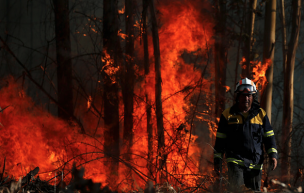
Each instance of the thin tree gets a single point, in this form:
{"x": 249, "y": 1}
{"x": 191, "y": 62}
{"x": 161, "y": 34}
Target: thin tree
{"x": 242, "y": 26}
{"x": 128, "y": 83}
{"x": 220, "y": 59}
{"x": 111, "y": 46}
{"x": 64, "y": 62}
{"x": 246, "y": 72}
{"x": 288, "y": 87}
{"x": 158, "y": 90}
{"x": 268, "y": 53}
{"x": 147, "y": 93}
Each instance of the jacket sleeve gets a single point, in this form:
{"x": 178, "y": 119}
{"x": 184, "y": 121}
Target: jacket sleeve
{"x": 220, "y": 141}
{"x": 269, "y": 139}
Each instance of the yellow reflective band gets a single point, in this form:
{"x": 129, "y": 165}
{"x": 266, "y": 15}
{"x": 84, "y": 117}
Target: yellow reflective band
{"x": 272, "y": 150}
{"x": 256, "y": 167}
{"x": 219, "y": 155}
{"x": 269, "y": 133}
{"x": 241, "y": 163}
{"x": 221, "y": 135}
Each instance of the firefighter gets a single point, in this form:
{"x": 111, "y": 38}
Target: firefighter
{"x": 242, "y": 131}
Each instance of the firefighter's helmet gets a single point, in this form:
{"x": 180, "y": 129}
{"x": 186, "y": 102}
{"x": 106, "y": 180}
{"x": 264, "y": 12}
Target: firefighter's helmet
{"x": 245, "y": 86}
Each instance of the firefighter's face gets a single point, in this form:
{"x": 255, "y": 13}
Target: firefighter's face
{"x": 245, "y": 101}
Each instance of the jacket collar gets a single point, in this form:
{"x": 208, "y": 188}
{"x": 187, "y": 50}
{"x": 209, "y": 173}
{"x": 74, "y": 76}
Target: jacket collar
{"x": 254, "y": 110}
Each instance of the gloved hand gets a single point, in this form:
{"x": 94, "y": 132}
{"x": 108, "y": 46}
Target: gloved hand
{"x": 273, "y": 163}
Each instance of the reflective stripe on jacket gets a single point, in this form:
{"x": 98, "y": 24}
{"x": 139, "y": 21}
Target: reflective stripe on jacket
{"x": 242, "y": 139}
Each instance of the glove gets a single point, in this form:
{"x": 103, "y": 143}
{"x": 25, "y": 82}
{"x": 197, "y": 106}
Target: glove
{"x": 273, "y": 163}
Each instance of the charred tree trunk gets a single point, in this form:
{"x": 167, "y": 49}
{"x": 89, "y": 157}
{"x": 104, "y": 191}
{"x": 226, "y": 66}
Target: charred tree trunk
{"x": 246, "y": 72}
{"x": 111, "y": 46}
{"x": 64, "y": 62}
{"x": 128, "y": 85}
{"x": 147, "y": 93}
{"x": 268, "y": 54}
{"x": 220, "y": 59}
{"x": 158, "y": 90}
{"x": 288, "y": 88}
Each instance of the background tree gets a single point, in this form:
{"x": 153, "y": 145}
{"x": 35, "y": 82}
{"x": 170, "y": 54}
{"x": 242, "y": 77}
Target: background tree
{"x": 220, "y": 58}
{"x": 128, "y": 74}
{"x": 288, "y": 105}
{"x": 249, "y": 41}
{"x": 64, "y": 62}
{"x": 158, "y": 91}
{"x": 111, "y": 46}
{"x": 268, "y": 54}
{"x": 147, "y": 93}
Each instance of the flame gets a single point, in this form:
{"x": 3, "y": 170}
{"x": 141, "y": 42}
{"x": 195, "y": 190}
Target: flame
{"x": 259, "y": 73}
{"x": 227, "y": 88}
{"x": 122, "y": 11}
{"x": 33, "y": 137}
{"x": 89, "y": 102}
{"x": 122, "y": 35}
{"x": 109, "y": 67}
{"x": 242, "y": 63}
{"x": 190, "y": 35}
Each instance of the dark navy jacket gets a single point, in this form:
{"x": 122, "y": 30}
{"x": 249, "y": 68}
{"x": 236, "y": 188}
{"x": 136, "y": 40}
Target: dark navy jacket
{"x": 242, "y": 140}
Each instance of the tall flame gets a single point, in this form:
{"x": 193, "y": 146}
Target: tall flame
{"x": 187, "y": 32}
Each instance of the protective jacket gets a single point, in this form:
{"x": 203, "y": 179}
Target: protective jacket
{"x": 242, "y": 139}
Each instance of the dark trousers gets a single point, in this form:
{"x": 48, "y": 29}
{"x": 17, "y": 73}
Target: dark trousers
{"x": 239, "y": 175}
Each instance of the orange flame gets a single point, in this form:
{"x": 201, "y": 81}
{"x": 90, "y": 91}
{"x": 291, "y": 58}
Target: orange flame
{"x": 89, "y": 102}
{"x": 33, "y": 137}
{"x": 190, "y": 34}
{"x": 227, "y": 88}
{"x": 259, "y": 72}
{"x": 109, "y": 67}
{"x": 122, "y": 35}
{"x": 122, "y": 11}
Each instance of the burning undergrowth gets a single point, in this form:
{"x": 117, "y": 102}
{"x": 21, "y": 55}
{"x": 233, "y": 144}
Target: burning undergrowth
{"x": 32, "y": 137}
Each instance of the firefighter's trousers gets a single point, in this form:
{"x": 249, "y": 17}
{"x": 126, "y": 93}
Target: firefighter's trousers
{"x": 239, "y": 175}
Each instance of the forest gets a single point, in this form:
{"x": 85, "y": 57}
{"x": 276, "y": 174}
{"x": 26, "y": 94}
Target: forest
{"x": 129, "y": 93}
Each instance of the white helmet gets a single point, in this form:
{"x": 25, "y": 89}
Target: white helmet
{"x": 245, "y": 86}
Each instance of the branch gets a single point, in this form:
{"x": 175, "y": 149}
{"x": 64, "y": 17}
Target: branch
{"x": 28, "y": 74}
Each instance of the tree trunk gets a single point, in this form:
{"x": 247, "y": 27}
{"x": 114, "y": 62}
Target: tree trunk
{"x": 147, "y": 94}
{"x": 64, "y": 62}
{"x": 128, "y": 85}
{"x": 268, "y": 54}
{"x": 284, "y": 39}
{"x": 111, "y": 46}
{"x": 246, "y": 72}
{"x": 158, "y": 89}
{"x": 220, "y": 59}
{"x": 288, "y": 88}
{"x": 237, "y": 61}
